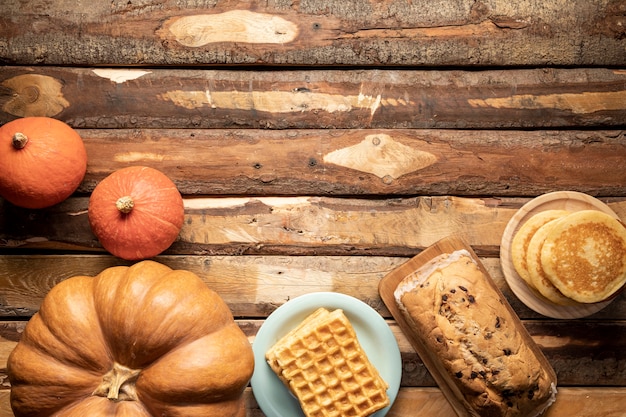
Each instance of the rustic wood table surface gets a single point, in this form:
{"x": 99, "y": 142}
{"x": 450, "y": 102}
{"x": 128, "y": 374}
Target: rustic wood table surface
{"x": 320, "y": 144}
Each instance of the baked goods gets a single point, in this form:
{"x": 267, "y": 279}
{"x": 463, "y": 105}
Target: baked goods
{"x": 537, "y": 278}
{"x": 571, "y": 258}
{"x": 472, "y": 336}
{"x": 521, "y": 240}
{"x": 584, "y": 256}
{"x": 322, "y": 363}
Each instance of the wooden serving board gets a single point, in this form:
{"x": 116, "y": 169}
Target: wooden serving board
{"x": 445, "y": 381}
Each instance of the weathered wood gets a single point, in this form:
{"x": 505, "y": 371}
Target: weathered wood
{"x": 162, "y": 98}
{"x": 366, "y": 162}
{"x": 327, "y": 141}
{"x": 318, "y": 32}
{"x": 289, "y": 225}
{"x": 252, "y": 286}
{"x": 430, "y": 402}
{"x": 587, "y": 402}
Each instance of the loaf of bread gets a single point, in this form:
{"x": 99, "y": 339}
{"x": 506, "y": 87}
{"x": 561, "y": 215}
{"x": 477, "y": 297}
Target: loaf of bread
{"x": 475, "y": 339}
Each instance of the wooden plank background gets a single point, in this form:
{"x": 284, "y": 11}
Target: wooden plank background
{"x": 320, "y": 144}
{"x": 315, "y": 32}
{"x": 313, "y": 98}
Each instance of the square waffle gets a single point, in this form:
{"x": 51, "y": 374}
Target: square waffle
{"x": 325, "y": 367}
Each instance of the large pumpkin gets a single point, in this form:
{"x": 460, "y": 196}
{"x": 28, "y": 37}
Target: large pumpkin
{"x": 135, "y": 341}
{"x": 42, "y": 161}
{"x": 136, "y": 212}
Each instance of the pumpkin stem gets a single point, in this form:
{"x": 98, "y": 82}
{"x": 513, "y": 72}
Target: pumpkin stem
{"x": 118, "y": 384}
{"x": 125, "y": 204}
{"x": 19, "y": 140}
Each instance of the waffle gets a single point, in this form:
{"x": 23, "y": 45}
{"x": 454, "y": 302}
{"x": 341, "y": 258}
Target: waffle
{"x": 324, "y": 366}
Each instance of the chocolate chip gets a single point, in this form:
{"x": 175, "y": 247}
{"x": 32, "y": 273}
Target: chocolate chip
{"x": 507, "y": 352}
{"x": 471, "y": 299}
{"x": 463, "y": 288}
{"x": 453, "y": 291}
{"x": 473, "y": 375}
{"x": 444, "y": 297}
{"x": 459, "y": 374}
{"x": 497, "y": 322}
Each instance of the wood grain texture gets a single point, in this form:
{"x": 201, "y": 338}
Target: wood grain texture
{"x": 588, "y": 402}
{"x": 320, "y": 144}
{"x": 318, "y": 32}
{"x": 370, "y": 162}
{"x": 332, "y": 98}
{"x": 253, "y": 286}
{"x": 288, "y": 225}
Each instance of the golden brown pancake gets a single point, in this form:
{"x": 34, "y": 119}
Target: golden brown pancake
{"x": 584, "y": 255}
{"x": 537, "y": 275}
{"x": 519, "y": 244}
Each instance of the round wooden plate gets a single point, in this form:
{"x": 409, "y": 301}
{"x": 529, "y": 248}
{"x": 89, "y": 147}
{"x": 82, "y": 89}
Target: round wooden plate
{"x": 559, "y": 200}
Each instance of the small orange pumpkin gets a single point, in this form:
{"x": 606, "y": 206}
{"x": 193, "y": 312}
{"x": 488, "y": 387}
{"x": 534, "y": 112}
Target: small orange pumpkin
{"x": 136, "y": 212}
{"x": 42, "y": 161}
{"x": 138, "y": 341}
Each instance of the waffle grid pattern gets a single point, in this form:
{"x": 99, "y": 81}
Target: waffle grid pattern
{"x": 329, "y": 373}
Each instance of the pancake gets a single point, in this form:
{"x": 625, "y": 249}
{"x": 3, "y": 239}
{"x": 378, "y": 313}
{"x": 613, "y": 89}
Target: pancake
{"x": 519, "y": 244}
{"x": 539, "y": 280}
{"x": 584, "y": 255}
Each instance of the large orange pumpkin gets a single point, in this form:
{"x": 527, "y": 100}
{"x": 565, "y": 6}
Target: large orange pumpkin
{"x": 135, "y": 341}
{"x": 136, "y": 212}
{"x": 42, "y": 161}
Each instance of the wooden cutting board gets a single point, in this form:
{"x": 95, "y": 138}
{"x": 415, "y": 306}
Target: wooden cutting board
{"x": 445, "y": 381}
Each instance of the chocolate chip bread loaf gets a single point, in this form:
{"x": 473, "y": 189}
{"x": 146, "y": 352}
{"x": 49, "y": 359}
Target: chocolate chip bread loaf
{"x": 475, "y": 339}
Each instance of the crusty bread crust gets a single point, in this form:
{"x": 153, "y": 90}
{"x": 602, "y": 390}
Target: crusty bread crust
{"x": 462, "y": 320}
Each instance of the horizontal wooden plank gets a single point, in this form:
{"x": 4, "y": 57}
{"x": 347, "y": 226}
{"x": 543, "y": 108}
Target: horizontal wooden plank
{"x": 195, "y": 98}
{"x": 430, "y": 402}
{"x": 571, "y": 347}
{"x": 253, "y": 286}
{"x": 366, "y": 161}
{"x": 317, "y": 32}
{"x": 289, "y": 225}
{"x": 587, "y": 402}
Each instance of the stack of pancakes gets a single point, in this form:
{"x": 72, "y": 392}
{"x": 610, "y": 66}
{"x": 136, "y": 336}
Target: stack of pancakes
{"x": 324, "y": 366}
{"x": 571, "y": 257}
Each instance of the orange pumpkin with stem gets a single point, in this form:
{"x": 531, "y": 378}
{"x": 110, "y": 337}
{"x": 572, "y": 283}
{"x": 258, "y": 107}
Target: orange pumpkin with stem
{"x": 136, "y": 212}
{"x": 138, "y": 341}
{"x": 42, "y": 161}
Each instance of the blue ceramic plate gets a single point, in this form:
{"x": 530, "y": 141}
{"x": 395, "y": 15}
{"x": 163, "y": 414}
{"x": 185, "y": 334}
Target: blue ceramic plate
{"x": 373, "y": 333}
